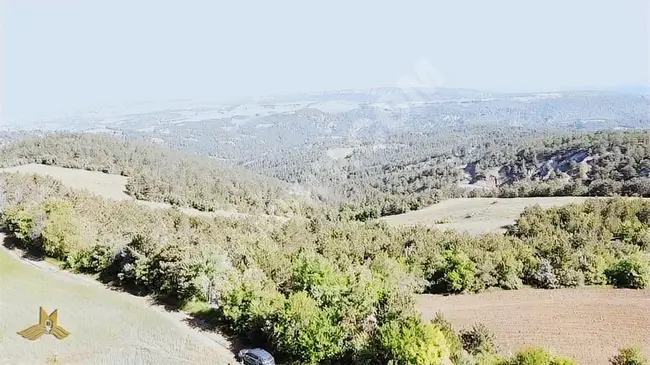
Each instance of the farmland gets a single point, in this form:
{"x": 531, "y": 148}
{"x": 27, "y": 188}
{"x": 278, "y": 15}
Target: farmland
{"x": 588, "y": 324}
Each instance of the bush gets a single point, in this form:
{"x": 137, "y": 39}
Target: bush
{"x": 478, "y": 340}
{"x": 629, "y": 356}
{"x": 536, "y": 356}
{"x": 93, "y": 260}
{"x": 305, "y": 331}
{"x": 631, "y": 272}
{"x": 412, "y": 342}
{"x": 453, "y": 341}
{"x": 455, "y": 274}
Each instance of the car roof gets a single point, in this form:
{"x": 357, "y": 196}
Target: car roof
{"x": 260, "y": 353}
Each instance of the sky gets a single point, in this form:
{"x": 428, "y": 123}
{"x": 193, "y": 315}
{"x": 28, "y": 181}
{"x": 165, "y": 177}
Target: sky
{"x": 65, "y": 55}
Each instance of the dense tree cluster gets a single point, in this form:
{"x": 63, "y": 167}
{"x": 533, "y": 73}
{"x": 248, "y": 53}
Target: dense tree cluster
{"x": 598, "y": 164}
{"x": 325, "y": 289}
{"x": 159, "y": 174}
{"x": 406, "y": 171}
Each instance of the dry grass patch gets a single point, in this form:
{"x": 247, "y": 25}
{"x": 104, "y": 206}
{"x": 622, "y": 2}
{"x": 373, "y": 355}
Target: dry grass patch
{"x": 476, "y": 215}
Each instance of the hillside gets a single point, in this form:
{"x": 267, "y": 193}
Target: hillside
{"x": 504, "y": 164}
{"x": 113, "y": 187}
{"x": 107, "y": 327}
{"x": 475, "y": 215}
{"x": 245, "y": 130}
{"x": 327, "y": 290}
{"x": 382, "y": 151}
{"x": 158, "y": 174}
{"x": 599, "y": 164}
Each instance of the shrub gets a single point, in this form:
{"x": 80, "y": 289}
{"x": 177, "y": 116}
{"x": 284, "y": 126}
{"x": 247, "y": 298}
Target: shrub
{"x": 536, "y": 356}
{"x": 455, "y": 274}
{"x": 629, "y": 356}
{"x": 453, "y": 341}
{"x": 412, "y": 342}
{"x": 478, "y": 340}
{"x": 305, "y": 331}
{"x": 93, "y": 260}
{"x": 631, "y": 272}
{"x": 61, "y": 233}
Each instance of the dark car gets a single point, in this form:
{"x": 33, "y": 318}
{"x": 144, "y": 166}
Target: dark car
{"x": 255, "y": 357}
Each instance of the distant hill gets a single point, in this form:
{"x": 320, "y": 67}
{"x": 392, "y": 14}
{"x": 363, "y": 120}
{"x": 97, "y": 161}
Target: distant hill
{"x": 243, "y": 131}
{"x": 159, "y": 174}
{"x": 391, "y": 148}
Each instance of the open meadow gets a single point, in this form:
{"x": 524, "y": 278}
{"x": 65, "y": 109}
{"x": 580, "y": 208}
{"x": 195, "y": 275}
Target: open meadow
{"x": 476, "y": 215}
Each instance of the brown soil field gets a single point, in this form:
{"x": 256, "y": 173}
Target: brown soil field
{"x": 587, "y": 324}
{"x": 475, "y": 215}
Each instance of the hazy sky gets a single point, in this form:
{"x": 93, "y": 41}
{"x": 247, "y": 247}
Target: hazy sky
{"x": 64, "y": 55}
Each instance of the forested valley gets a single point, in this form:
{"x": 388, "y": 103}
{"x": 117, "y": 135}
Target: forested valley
{"x": 331, "y": 284}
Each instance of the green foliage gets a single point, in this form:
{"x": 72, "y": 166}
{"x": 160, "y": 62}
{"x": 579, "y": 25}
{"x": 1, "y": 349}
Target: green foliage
{"x": 451, "y": 338}
{"x": 19, "y": 222}
{"x": 629, "y": 356}
{"x": 304, "y": 330}
{"x": 158, "y": 174}
{"x": 324, "y": 290}
{"x": 536, "y": 356}
{"x": 60, "y": 235}
{"x": 630, "y": 272}
{"x": 455, "y": 273}
{"x": 412, "y": 342}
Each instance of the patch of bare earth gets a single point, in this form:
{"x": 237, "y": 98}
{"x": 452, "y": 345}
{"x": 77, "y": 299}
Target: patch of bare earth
{"x": 475, "y": 215}
{"x": 588, "y": 324}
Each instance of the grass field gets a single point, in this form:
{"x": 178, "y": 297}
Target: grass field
{"x": 588, "y": 324}
{"x": 475, "y": 215}
{"x": 107, "y": 327}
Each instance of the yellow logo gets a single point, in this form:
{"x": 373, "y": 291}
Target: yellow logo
{"x": 46, "y": 325}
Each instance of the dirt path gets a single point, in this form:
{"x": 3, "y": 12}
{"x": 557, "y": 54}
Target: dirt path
{"x": 107, "y": 327}
{"x": 589, "y": 324}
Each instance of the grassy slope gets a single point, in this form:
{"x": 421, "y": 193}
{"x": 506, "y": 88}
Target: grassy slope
{"x": 475, "y": 215}
{"x": 107, "y": 327}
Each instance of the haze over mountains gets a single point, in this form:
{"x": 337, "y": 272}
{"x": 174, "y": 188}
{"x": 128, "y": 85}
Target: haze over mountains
{"x": 242, "y": 131}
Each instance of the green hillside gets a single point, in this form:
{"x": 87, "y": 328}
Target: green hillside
{"x": 159, "y": 174}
